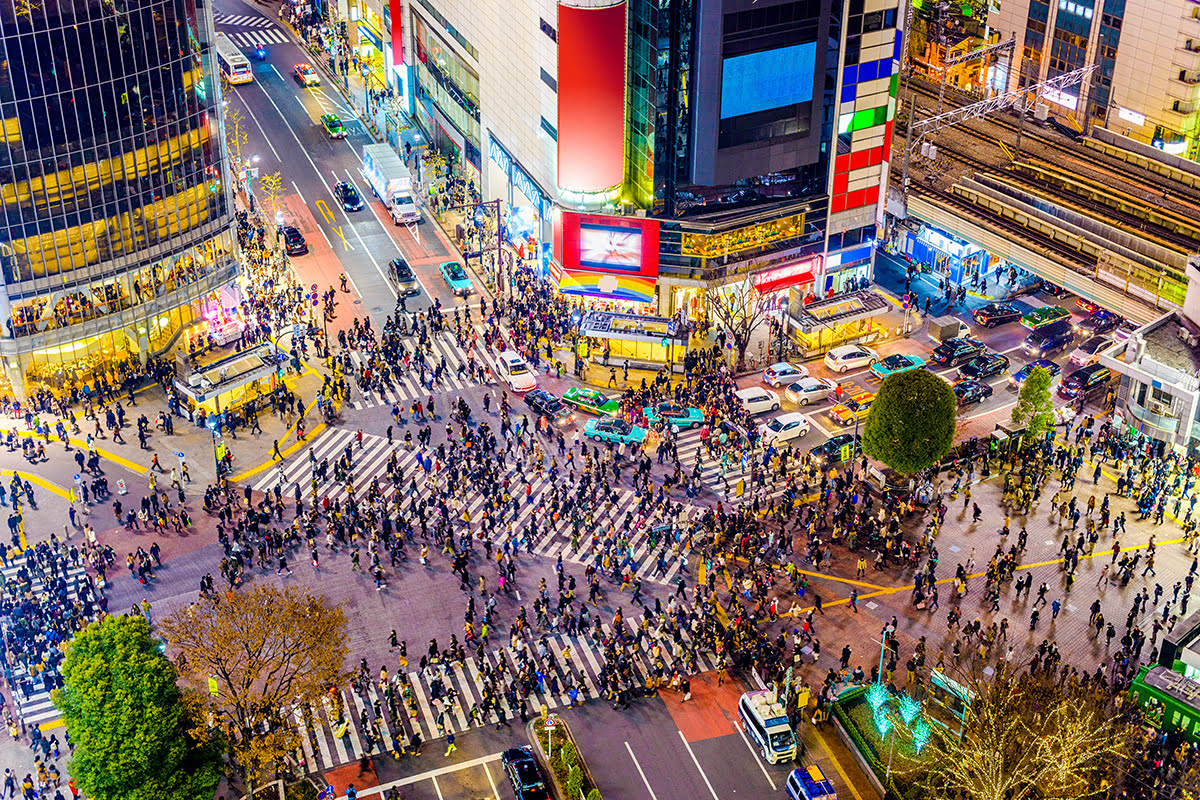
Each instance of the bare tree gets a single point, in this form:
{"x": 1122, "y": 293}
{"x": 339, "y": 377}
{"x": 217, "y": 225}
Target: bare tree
{"x": 739, "y": 310}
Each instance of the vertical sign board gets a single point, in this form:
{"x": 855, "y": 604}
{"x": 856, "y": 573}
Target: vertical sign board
{"x": 591, "y": 97}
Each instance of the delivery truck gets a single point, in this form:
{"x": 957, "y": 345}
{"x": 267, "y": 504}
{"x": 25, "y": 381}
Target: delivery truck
{"x": 387, "y": 176}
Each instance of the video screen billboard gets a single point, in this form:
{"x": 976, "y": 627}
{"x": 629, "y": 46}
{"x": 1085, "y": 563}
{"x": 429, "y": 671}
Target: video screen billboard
{"x": 606, "y": 245}
{"x": 767, "y": 79}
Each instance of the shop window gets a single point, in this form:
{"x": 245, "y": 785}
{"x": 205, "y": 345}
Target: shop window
{"x": 549, "y": 129}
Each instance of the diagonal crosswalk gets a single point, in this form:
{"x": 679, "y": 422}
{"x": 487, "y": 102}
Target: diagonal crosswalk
{"x": 406, "y": 386}
{"x": 242, "y": 21}
{"x": 653, "y": 550}
{"x": 449, "y": 697}
{"x": 30, "y": 691}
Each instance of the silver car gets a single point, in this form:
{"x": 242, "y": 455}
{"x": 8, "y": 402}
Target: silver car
{"x": 810, "y": 390}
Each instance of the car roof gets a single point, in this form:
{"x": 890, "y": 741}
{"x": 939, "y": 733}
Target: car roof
{"x": 782, "y": 365}
{"x": 791, "y": 416}
{"x": 750, "y": 391}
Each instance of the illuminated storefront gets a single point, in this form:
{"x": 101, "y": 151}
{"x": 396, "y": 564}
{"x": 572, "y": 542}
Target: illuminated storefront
{"x": 817, "y": 326}
{"x": 640, "y": 338}
{"x": 447, "y": 99}
{"x": 954, "y": 259}
{"x": 106, "y": 254}
{"x": 611, "y": 262}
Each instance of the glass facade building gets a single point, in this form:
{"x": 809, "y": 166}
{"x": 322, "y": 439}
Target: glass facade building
{"x": 116, "y": 223}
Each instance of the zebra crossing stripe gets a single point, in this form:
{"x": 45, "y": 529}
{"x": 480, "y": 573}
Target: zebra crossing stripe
{"x": 241, "y": 20}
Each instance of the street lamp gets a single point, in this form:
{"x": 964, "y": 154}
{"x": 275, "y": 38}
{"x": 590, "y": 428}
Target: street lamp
{"x": 213, "y": 423}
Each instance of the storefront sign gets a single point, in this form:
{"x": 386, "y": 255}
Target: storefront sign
{"x": 517, "y": 176}
{"x": 773, "y": 280}
{"x": 396, "y": 13}
{"x": 365, "y": 32}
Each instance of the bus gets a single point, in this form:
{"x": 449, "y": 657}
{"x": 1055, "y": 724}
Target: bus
{"x": 1170, "y": 700}
{"x": 234, "y": 65}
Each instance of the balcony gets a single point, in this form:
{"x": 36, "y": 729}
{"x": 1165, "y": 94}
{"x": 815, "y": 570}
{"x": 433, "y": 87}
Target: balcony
{"x": 1158, "y": 421}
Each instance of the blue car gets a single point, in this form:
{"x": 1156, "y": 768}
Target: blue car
{"x": 1018, "y": 377}
{"x": 894, "y": 365}
{"x": 677, "y": 416}
{"x": 456, "y": 278}
{"x": 609, "y": 429}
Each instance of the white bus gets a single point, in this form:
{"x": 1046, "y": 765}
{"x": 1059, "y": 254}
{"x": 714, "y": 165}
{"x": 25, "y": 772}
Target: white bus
{"x": 234, "y": 65}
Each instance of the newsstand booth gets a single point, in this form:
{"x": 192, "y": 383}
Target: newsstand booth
{"x": 644, "y": 340}
{"x": 850, "y": 318}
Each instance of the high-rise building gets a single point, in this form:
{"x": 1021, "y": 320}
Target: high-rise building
{"x": 116, "y": 228}
{"x": 749, "y": 139}
{"x": 1147, "y": 85}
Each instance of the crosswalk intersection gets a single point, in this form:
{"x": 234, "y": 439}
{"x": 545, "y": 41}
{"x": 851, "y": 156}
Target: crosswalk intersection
{"x": 30, "y": 693}
{"x": 406, "y": 385}
{"x": 242, "y": 21}
{"x": 651, "y": 552}
{"x": 330, "y": 736}
{"x": 254, "y": 38}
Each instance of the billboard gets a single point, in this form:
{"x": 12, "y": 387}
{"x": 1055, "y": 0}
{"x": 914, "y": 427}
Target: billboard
{"x": 591, "y": 97}
{"x": 606, "y": 256}
{"x": 743, "y": 90}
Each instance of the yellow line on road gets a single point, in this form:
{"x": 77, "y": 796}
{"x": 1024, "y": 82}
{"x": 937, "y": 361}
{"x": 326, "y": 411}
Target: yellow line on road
{"x": 836, "y": 765}
{"x": 40, "y": 481}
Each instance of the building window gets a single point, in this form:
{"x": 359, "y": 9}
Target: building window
{"x": 548, "y": 29}
{"x": 549, "y": 81}
{"x": 549, "y": 129}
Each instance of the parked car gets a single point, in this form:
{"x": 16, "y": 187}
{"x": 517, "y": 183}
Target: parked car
{"x": 1053, "y": 289}
{"x": 895, "y": 364}
{"x": 785, "y": 427}
{"x": 1087, "y": 381}
{"x": 783, "y": 373}
{"x": 293, "y": 241}
{"x": 1089, "y": 351}
{"x": 984, "y": 366}
{"x": 549, "y": 406}
{"x": 994, "y": 314}
{"x": 971, "y": 391}
{"x": 852, "y": 409}
{"x": 810, "y": 390}
{"x": 1018, "y": 377}
{"x": 850, "y": 356}
{"x": 611, "y": 429}
{"x": 756, "y": 400}
{"x": 525, "y": 774}
{"x": 958, "y": 350}
{"x": 591, "y": 400}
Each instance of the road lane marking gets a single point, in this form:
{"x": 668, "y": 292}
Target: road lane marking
{"x": 750, "y": 747}
{"x": 653, "y": 796}
{"x": 325, "y": 212}
{"x": 437, "y": 789}
{"x": 696, "y": 761}
{"x": 345, "y": 244}
{"x": 836, "y": 765}
{"x": 432, "y": 774}
{"x": 487, "y": 771}
{"x": 298, "y": 193}
{"x": 261, "y": 129}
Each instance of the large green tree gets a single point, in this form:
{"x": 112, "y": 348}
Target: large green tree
{"x": 912, "y": 422}
{"x": 135, "y": 737}
{"x": 1034, "y": 409}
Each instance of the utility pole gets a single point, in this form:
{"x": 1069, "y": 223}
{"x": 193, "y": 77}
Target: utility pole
{"x": 1021, "y": 105}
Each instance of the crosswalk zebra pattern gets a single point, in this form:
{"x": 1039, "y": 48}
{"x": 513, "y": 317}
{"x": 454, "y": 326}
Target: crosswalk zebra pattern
{"x": 242, "y": 21}
{"x": 651, "y": 552}
{"x": 406, "y": 385}
{"x": 362, "y": 732}
{"x": 252, "y": 39}
{"x": 30, "y": 693}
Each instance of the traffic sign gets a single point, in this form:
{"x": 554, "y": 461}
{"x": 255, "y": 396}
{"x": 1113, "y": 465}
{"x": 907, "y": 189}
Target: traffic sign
{"x": 666, "y": 342}
{"x": 213, "y": 686}
{"x": 327, "y": 793}
{"x": 121, "y": 488}
{"x": 78, "y": 478}
{"x": 550, "y": 723}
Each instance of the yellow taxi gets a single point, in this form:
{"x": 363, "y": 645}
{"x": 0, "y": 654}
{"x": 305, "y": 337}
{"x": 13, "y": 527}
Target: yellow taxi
{"x": 853, "y": 409}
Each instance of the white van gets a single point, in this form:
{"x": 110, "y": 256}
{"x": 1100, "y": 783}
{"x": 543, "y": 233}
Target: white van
{"x": 765, "y": 721}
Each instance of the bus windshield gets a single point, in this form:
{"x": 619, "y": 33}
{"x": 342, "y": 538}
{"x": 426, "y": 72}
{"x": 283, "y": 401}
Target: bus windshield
{"x": 234, "y": 66}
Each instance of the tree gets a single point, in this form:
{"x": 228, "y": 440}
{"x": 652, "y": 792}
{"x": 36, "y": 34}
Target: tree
{"x": 271, "y": 186}
{"x": 1027, "y": 736}
{"x": 135, "y": 738}
{"x": 236, "y": 136}
{"x": 266, "y": 649}
{"x": 739, "y": 310}
{"x": 1034, "y": 409}
{"x": 912, "y": 422}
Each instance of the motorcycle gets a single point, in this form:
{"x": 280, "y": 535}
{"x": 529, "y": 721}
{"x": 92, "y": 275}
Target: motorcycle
{"x": 260, "y": 53}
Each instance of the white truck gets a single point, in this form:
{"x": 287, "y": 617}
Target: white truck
{"x": 389, "y": 178}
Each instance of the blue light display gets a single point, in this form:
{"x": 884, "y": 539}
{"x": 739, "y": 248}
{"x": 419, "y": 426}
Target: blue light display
{"x": 768, "y": 79}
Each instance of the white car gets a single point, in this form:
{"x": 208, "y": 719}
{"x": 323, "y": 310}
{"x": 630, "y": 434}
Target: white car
{"x": 783, "y": 373}
{"x": 786, "y": 427}
{"x": 850, "y": 356}
{"x": 756, "y": 400}
{"x": 1088, "y": 353}
{"x": 810, "y": 390}
{"x": 516, "y": 372}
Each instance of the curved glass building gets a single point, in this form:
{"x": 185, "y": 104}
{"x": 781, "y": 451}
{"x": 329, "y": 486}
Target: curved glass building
{"x": 116, "y": 221}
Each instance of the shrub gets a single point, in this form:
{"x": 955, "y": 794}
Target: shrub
{"x": 575, "y": 782}
{"x": 594, "y": 794}
{"x": 568, "y": 755}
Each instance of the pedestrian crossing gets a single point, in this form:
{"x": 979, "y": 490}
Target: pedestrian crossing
{"x": 723, "y": 475}
{"x": 448, "y": 697}
{"x": 242, "y": 21}
{"x": 406, "y": 386}
{"x": 251, "y": 40}
{"x": 654, "y": 551}
{"x": 30, "y": 693}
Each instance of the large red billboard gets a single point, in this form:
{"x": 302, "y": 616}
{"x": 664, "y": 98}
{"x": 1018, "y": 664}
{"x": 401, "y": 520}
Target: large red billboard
{"x": 396, "y": 14}
{"x": 591, "y": 97}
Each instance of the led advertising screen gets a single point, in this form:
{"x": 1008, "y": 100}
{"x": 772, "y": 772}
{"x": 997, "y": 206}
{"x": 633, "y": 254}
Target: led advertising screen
{"x": 605, "y": 255}
{"x": 591, "y": 97}
{"x": 767, "y": 79}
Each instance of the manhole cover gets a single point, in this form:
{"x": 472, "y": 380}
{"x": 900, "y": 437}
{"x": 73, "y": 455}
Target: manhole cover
{"x": 358, "y": 302}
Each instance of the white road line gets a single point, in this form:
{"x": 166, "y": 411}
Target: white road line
{"x": 261, "y": 130}
{"x": 753, "y": 753}
{"x": 438, "y": 789}
{"x": 708, "y": 783}
{"x": 431, "y": 775}
{"x": 487, "y": 771}
{"x": 653, "y": 796}
{"x": 302, "y": 200}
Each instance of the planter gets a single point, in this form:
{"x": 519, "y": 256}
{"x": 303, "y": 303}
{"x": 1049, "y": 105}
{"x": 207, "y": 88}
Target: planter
{"x": 554, "y": 770}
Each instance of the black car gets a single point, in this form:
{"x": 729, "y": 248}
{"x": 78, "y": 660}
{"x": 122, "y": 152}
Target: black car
{"x": 293, "y": 241}
{"x": 971, "y": 391}
{"x": 402, "y": 275}
{"x": 525, "y": 774}
{"x": 348, "y": 196}
{"x": 1053, "y": 289}
{"x": 1100, "y": 322}
{"x": 830, "y": 451}
{"x": 984, "y": 366}
{"x": 994, "y": 314}
{"x": 1087, "y": 381}
{"x": 958, "y": 350}
{"x": 549, "y": 407}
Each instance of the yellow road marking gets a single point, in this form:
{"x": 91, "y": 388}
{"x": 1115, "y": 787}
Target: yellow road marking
{"x": 325, "y": 212}
{"x": 338, "y": 229}
{"x": 40, "y": 481}
{"x": 836, "y": 765}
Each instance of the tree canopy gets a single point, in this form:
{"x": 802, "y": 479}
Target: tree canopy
{"x": 135, "y": 738}
{"x": 264, "y": 650}
{"x": 1034, "y": 409}
{"x": 912, "y": 421}
{"x": 739, "y": 310}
